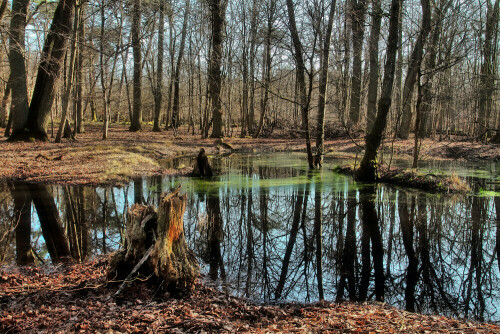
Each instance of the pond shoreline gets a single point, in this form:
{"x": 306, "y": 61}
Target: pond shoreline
{"x": 92, "y": 161}
{"x": 38, "y": 300}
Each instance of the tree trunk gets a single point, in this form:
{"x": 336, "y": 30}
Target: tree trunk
{"x": 50, "y": 222}
{"x": 158, "y": 94}
{"x": 358, "y": 11}
{"x": 413, "y": 69}
{"x": 323, "y": 88}
{"x": 218, "y": 17}
{"x": 136, "y": 123}
{"x": 172, "y": 264}
{"x": 3, "y": 7}
{"x": 368, "y": 167}
{"x": 53, "y": 52}
{"x": 374, "y": 66}
{"x": 176, "y": 108}
{"x": 487, "y": 77}
{"x": 79, "y": 127}
{"x": 252, "y": 54}
{"x": 69, "y": 81}
{"x": 267, "y": 71}
{"x": 4, "y": 114}
{"x": 17, "y": 80}
{"x": 22, "y": 221}
{"x": 301, "y": 79}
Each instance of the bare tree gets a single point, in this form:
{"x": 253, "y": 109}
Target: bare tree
{"x": 413, "y": 69}
{"x": 218, "y": 18}
{"x": 368, "y": 167}
{"x": 323, "y": 86}
{"x": 358, "y": 10}
{"x": 17, "y": 80}
{"x": 301, "y": 79}
{"x": 135, "y": 124}
{"x": 48, "y": 74}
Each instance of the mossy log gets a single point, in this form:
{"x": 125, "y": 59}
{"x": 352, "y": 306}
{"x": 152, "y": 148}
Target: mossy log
{"x": 157, "y": 239}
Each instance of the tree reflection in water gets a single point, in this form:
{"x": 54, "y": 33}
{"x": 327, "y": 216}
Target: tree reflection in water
{"x": 269, "y": 232}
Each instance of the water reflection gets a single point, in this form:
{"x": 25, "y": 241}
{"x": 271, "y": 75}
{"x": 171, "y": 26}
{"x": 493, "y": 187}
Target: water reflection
{"x": 268, "y": 229}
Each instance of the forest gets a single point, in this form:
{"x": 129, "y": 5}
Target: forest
{"x": 249, "y": 166}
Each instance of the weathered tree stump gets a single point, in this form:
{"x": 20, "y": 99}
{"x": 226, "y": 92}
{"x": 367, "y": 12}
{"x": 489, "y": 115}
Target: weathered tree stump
{"x": 155, "y": 247}
{"x": 202, "y": 167}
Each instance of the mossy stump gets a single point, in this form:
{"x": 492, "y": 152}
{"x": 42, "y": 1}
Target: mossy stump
{"x": 157, "y": 239}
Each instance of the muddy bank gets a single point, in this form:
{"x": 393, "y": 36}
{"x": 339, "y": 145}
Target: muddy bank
{"x": 90, "y": 160}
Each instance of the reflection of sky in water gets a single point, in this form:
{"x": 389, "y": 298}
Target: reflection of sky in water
{"x": 278, "y": 178}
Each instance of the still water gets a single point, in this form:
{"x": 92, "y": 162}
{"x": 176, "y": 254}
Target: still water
{"x": 268, "y": 229}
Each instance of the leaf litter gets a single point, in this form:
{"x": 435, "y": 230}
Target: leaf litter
{"x": 77, "y": 298}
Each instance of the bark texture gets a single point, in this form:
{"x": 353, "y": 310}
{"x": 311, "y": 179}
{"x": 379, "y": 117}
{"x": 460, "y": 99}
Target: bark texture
{"x": 161, "y": 234}
{"x": 49, "y": 70}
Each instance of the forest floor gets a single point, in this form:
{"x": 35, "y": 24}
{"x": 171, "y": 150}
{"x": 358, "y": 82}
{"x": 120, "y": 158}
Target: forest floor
{"x": 91, "y": 160}
{"x": 77, "y": 298}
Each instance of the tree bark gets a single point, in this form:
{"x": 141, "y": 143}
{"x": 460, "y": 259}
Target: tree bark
{"x": 17, "y": 80}
{"x": 368, "y": 167}
{"x": 358, "y": 10}
{"x": 267, "y": 70}
{"x": 323, "y": 87}
{"x": 53, "y": 52}
{"x": 69, "y": 81}
{"x": 371, "y": 110}
{"x": 158, "y": 94}
{"x": 413, "y": 69}
{"x": 50, "y": 221}
{"x": 172, "y": 264}
{"x": 487, "y": 77}
{"x": 218, "y": 18}
{"x": 22, "y": 221}
{"x": 301, "y": 80}
{"x": 176, "y": 107}
{"x": 136, "y": 123}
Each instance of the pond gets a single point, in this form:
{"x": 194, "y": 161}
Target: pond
{"x": 270, "y": 230}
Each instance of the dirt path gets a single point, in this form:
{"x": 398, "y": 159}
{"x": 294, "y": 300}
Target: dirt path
{"x": 90, "y": 160}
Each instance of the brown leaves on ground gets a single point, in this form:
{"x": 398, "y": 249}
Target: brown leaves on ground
{"x": 125, "y": 154}
{"x": 75, "y": 298}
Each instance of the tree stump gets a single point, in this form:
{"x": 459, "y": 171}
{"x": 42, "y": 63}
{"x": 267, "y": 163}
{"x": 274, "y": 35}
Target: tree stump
{"x": 202, "y": 167}
{"x": 155, "y": 247}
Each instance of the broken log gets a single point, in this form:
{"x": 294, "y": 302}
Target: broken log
{"x": 202, "y": 167}
{"x": 156, "y": 238}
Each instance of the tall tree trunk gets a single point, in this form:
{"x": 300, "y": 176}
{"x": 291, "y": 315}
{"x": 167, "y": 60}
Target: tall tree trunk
{"x": 158, "y": 94}
{"x": 267, "y": 70}
{"x": 413, "y": 69}
{"x": 371, "y": 110}
{"x": 136, "y": 123}
{"x": 50, "y": 221}
{"x": 4, "y": 113}
{"x": 252, "y": 54}
{"x": 79, "y": 127}
{"x": 22, "y": 221}
{"x": 17, "y": 81}
{"x": 487, "y": 77}
{"x": 301, "y": 79}
{"x": 102, "y": 66}
{"x": 358, "y": 10}
{"x": 176, "y": 107}
{"x": 424, "y": 128}
{"x": 49, "y": 69}
{"x": 323, "y": 87}
{"x": 218, "y": 18}
{"x": 368, "y": 167}
{"x": 69, "y": 81}
{"x": 3, "y": 7}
